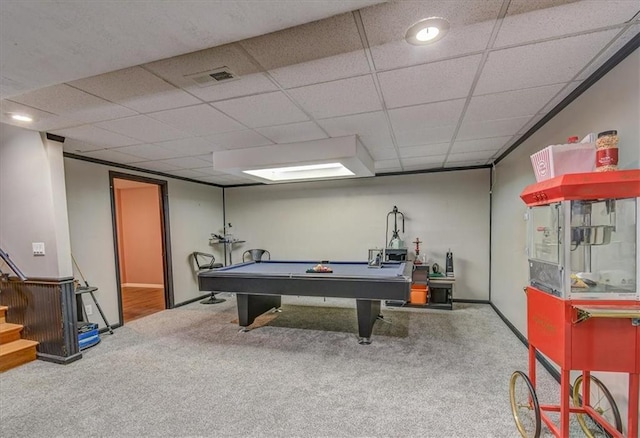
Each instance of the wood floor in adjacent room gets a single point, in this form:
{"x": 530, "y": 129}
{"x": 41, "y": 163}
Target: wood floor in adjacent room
{"x": 141, "y": 301}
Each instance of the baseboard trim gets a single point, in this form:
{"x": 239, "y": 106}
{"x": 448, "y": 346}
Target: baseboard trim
{"x": 543, "y": 361}
{"x": 465, "y": 300}
{"x": 58, "y": 359}
{"x": 192, "y": 300}
{"x": 149, "y": 285}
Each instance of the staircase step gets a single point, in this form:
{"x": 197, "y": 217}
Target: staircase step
{"x": 9, "y": 332}
{"x": 3, "y": 313}
{"x": 17, "y": 353}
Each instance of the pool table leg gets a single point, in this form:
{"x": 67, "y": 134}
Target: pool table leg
{"x": 368, "y": 312}
{"x": 251, "y": 306}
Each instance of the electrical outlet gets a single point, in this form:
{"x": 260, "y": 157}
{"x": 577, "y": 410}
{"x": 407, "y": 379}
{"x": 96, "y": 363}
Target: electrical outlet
{"x": 89, "y": 309}
{"x": 38, "y": 248}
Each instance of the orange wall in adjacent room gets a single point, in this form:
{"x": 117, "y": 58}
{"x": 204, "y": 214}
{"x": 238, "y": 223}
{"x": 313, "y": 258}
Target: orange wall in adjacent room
{"x": 140, "y": 235}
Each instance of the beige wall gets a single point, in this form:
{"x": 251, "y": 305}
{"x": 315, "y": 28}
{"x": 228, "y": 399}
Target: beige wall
{"x": 33, "y": 205}
{"x": 611, "y": 103}
{"x": 195, "y": 211}
{"x": 341, "y": 220}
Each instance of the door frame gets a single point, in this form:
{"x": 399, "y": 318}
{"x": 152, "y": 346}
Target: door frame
{"x": 167, "y": 269}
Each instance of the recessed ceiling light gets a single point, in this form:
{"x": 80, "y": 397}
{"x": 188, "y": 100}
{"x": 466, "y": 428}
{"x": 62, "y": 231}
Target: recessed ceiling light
{"x": 427, "y": 31}
{"x": 22, "y": 117}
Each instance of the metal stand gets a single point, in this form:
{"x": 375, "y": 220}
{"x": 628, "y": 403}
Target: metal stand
{"x": 90, "y": 290}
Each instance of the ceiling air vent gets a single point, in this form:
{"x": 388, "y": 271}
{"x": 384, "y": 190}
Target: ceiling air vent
{"x": 211, "y": 77}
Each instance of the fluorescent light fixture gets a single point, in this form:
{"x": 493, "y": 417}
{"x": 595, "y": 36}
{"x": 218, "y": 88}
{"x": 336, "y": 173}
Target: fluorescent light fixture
{"x": 311, "y": 171}
{"x": 427, "y": 31}
{"x": 330, "y": 158}
{"x": 22, "y": 117}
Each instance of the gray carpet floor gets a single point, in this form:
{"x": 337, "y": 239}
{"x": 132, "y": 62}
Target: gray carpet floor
{"x": 189, "y": 372}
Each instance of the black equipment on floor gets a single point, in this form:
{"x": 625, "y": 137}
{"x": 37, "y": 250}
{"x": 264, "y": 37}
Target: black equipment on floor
{"x": 86, "y": 289}
{"x": 205, "y": 262}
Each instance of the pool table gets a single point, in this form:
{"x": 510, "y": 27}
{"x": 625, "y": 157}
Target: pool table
{"x": 259, "y": 286}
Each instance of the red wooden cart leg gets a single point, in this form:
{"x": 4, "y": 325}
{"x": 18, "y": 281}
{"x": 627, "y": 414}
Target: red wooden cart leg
{"x": 632, "y": 424}
{"x": 586, "y": 388}
{"x": 532, "y": 365}
{"x": 565, "y": 375}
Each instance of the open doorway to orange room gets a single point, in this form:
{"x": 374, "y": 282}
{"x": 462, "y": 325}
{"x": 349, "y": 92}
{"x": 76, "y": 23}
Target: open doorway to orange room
{"x": 142, "y": 246}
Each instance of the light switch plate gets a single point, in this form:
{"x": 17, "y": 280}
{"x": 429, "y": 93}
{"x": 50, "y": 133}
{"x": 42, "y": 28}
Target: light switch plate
{"x": 38, "y": 248}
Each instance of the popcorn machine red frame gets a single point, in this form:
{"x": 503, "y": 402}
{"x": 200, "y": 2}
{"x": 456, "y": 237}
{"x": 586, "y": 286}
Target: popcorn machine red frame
{"x": 595, "y": 329}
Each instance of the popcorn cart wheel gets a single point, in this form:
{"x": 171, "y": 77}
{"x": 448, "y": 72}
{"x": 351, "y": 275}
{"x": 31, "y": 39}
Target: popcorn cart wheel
{"x": 601, "y": 401}
{"x": 526, "y": 410}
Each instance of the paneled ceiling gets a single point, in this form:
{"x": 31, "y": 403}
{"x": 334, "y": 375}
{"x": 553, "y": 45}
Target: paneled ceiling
{"x": 116, "y": 81}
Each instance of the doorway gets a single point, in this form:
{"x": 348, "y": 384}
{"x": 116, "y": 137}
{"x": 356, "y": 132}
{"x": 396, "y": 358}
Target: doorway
{"x": 141, "y": 237}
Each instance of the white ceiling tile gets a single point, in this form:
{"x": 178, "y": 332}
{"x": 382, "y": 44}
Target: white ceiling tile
{"x": 551, "y": 62}
{"x": 610, "y": 51}
{"x": 208, "y": 169}
{"x": 424, "y": 150}
{"x": 150, "y": 152}
{"x": 247, "y": 85}
{"x": 187, "y": 173}
{"x": 237, "y": 140}
{"x": 159, "y": 166}
{"x": 191, "y": 146}
{"x": 388, "y": 153}
{"x": 294, "y": 132}
{"x": 96, "y": 136}
{"x": 483, "y": 156}
{"x": 143, "y": 128}
{"x": 416, "y": 137}
{"x": 198, "y": 120}
{"x": 385, "y": 166}
{"x": 485, "y": 144}
{"x": 249, "y": 78}
{"x": 535, "y": 119}
{"x": 335, "y": 67}
{"x": 522, "y": 24}
{"x": 188, "y": 162}
{"x": 376, "y": 141}
{"x": 430, "y": 115}
{"x": 251, "y": 110}
{"x": 338, "y": 98}
{"x": 137, "y": 89}
{"x": 491, "y": 128}
{"x": 112, "y": 155}
{"x": 433, "y": 82}
{"x": 559, "y": 97}
{"x": 374, "y": 123}
{"x": 471, "y": 24}
{"x": 78, "y": 147}
{"x": 42, "y": 120}
{"x": 307, "y": 42}
{"x": 70, "y": 102}
{"x": 423, "y": 163}
{"x": 510, "y": 104}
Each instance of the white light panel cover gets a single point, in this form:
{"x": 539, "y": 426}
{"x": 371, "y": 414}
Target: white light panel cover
{"x": 263, "y": 162}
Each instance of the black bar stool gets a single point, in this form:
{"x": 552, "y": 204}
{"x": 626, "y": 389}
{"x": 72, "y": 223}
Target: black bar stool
{"x": 255, "y": 255}
{"x": 205, "y": 262}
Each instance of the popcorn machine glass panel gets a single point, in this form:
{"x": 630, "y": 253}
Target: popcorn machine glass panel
{"x": 585, "y": 249}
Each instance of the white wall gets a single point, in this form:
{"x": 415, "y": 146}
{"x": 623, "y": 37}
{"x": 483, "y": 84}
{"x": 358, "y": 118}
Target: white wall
{"x": 195, "y": 212}
{"x": 341, "y": 220}
{"x": 33, "y": 206}
{"x": 611, "y": 103}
